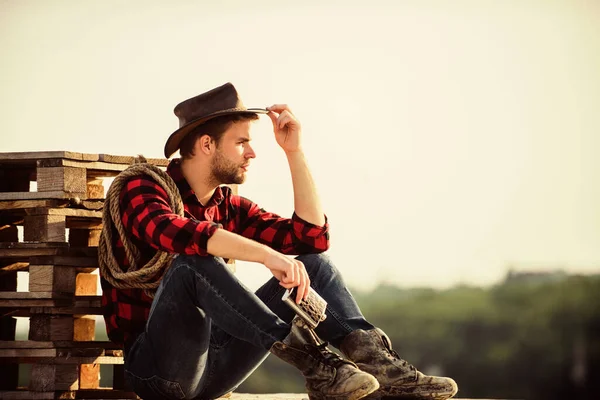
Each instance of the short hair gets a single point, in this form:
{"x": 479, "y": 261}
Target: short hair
{"x": 215, "y": 128}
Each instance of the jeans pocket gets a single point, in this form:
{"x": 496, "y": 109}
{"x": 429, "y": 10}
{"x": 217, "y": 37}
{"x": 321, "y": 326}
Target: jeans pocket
{"x": 155, "y": 387}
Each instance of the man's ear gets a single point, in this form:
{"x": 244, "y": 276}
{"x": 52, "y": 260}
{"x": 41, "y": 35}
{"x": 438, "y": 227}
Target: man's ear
{"x": 205, "y": 144}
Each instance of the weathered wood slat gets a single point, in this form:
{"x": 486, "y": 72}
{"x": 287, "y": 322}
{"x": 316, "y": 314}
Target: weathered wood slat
{"x": 40, "y": 155}
{"x": 66, "y": 179}
{"x": 22, "y": 196}
{"x": 46, "y": 377}
{"x": 32, "y": 246}
{"x": 95, "y": 394}
{"x": 52, "y": 278}
{"x": 22, "y": 204}
{"x": 61, "y": 361}
{"x": 59, "y": 352}
{"x": 63, "y": 344}
{"x": 67, "y": 212}
{"x": 90, "y": 204}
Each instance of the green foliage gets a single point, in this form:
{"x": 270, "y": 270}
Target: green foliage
{"x": 522, "y": 339}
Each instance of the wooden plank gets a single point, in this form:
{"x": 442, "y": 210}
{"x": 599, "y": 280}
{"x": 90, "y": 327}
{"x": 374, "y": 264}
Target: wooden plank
{"x": 22, "y": 204}
{"x": 66, "y": 179}
{"x": 40, "y": 155}
{"x": 52, "y": 278}
{"x": 44, "y": 228}
{"x": 89, "y": 376}
{"x": 86, "y": 284}
{"x": 110, "y": 360}
{"x": 67, "y": 212}
{"x": 22, "y": 196}
{"x": 45, "y": 305}
{"x": 95, "y": 188}
{"x": 32, "y": 246}
{"x": 95, "y": 169}
{"x": 89, "y": 262}
{"x": 26, "y": 395}
{"x": 93, "y": 352}
{"x": 35, "y": 344}
{"x": 29, "y": 295}
{"x": 50, "y": 327}
{"x": 84, "y": 328}
{"x": 46, "y": 378}
{"x": 99, "y": 394}
{"x": 17, "y": 266}
{"x": 163, "y": 162}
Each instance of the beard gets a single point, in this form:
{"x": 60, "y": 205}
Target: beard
{"x": 225, "y": 171}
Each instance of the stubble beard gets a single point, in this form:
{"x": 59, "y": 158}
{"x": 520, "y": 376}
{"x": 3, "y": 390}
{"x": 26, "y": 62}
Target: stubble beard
{"x": 225, "y": 171}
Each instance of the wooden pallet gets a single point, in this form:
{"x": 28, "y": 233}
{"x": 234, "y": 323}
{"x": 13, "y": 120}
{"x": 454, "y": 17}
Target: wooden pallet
{"x": 61, "y": 224}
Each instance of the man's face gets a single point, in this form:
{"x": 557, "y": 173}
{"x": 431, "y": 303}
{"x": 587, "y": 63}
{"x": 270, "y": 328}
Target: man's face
{"x": 232, "y": 158}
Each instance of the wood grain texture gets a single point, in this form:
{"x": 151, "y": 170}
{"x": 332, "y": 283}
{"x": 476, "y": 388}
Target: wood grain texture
{"x": 66, "y": 179}
{"x": 89, "y": 376}
{"x": 22, "y": 196}
{"x": 45, "y": 377}
{"x": 52, "y": 278}
{"x": 15, "y": 157}
{"x": 50, "y": 327}
{"x": 44, "y": 228}
{"x": 86, "y": 284}
{"x": 23, "y": 204}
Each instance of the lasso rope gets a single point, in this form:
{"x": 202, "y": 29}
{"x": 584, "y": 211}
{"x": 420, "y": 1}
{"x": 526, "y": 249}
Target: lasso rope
{"x": 148, "y": 276}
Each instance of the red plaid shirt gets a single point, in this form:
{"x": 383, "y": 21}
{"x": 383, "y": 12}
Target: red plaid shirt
{"x": 152, "y": 225}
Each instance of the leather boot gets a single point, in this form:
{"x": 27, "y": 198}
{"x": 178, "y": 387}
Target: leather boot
{"x": 328, "y": 376}
{"x": 372, "y": 351}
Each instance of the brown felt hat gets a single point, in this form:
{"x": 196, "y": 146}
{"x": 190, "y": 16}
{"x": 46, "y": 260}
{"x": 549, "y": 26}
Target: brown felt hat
{"x": 193, "y": 112}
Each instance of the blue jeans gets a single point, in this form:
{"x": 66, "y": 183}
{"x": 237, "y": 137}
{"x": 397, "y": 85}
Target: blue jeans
{"x": 207, "y": 332}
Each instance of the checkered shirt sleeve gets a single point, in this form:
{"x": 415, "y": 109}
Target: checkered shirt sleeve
{"x": 286, "y": 235}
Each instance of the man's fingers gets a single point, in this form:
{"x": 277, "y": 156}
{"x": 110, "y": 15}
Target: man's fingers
{"x": 279, "y": 108}
{"x": 307, "y": 286}
{"x": 291, "y": 274}
{"x": 273, "y": 117}
{"x": 302, "y": 287}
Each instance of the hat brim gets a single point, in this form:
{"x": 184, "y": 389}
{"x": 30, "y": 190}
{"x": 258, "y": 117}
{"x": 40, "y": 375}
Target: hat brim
{"x": 176, "y": 137}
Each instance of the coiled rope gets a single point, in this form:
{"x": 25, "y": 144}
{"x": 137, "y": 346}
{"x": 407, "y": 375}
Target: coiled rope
{"x": 148, "y": 276}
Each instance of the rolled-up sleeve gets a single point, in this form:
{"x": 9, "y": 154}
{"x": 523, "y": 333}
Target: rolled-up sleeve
{"x": 147, "y": 215}
{"x": 286, "y": 235}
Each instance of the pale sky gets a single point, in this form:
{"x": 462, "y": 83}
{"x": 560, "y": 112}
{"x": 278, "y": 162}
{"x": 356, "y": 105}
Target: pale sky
{"x": 449, "y": 140}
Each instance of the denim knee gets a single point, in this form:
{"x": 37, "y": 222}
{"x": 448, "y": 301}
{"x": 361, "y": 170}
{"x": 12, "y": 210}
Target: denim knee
{"x": 318, "y": 264}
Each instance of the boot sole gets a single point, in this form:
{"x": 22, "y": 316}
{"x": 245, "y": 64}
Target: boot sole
{"x": 359, "y": 393}
{"x": 395, "y": 393}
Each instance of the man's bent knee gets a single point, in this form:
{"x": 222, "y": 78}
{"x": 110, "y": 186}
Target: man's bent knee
{"x": 318, "y": 263}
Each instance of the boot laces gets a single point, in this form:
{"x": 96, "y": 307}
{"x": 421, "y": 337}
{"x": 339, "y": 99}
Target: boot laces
{"x": 392, "y": 353}
{"x": 328, "y": 357}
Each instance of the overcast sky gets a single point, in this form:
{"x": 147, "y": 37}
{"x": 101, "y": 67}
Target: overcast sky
{"x": 449, "y": 140}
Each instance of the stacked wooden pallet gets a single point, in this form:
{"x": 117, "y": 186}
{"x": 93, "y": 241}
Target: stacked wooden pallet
{"x": 61, "y": 224}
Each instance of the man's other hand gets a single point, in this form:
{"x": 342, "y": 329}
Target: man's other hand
{"x": 286, "y": 127}
{"x": 289, "y": 272}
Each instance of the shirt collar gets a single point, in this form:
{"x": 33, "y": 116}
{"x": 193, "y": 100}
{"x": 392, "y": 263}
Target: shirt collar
{"x": 174, "y": 171}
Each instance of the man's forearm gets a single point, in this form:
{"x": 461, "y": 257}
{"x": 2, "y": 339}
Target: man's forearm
{"x": 230, "y": 245}
{"x": 306, "y": 200}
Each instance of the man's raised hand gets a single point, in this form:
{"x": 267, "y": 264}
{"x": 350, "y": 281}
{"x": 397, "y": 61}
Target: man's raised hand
{"x": 289, "y": 272}
{"x": 286, "y": 127}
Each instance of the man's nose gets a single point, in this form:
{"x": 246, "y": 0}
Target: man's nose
{"x": 250, "y": 152}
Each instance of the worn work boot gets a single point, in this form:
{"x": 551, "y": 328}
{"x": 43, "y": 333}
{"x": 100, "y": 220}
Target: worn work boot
{"x": 328, "y": 376}
{"x": 372, "y": 352}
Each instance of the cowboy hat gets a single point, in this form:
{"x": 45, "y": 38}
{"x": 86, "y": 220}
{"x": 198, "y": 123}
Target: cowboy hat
{"x": 193, "y": 112}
